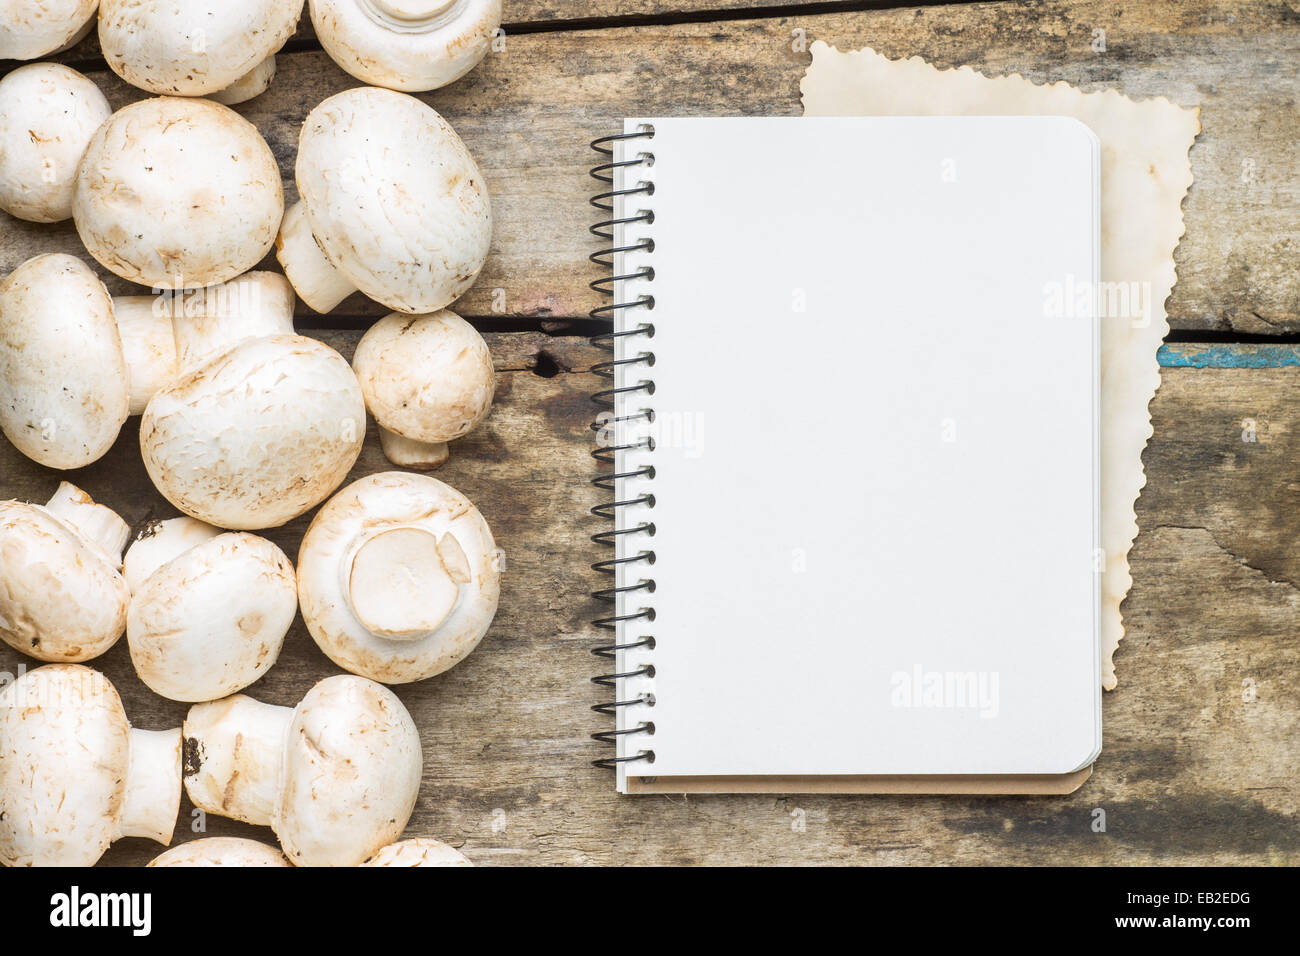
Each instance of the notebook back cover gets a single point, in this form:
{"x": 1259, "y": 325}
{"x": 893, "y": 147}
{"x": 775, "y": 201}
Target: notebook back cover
{"x": 875, "y": 448}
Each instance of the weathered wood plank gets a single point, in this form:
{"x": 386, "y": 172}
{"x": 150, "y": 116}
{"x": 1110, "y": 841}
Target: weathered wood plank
{"x": 528, "y": 114}
{"x": 532, "y": 16}
{"x": 1190, "y": 773}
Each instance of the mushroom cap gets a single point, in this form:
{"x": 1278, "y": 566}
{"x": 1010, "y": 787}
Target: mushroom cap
{"x": 61, "y": 596}
{"x": 351, "y": 773}
{"x": 212, "y": 620}
{"x": 398, "y": 577}
{"x": 192, "y": 47}
{"x": 48, "y": 113}
{"x": 418, "y": 851}
{"x": 425, "y": 377}
{"x": 64, "y": 390}
{"x": 178, "y": 193}
{"x": 395, "y": 200}
{"x": 64, "y": 751}
{"x": 159, "y": 542}
{"x": 411, "y": 45}
{"x": 256, "y": 434}
{"x": 29, "y": 30}
{"x": 221, "y": 851}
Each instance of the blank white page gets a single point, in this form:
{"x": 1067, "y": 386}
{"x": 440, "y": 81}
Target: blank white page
{"x": 875, "y": 487}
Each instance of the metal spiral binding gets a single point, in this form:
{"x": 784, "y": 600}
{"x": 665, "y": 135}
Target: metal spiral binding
{"x": 608, "y": 399}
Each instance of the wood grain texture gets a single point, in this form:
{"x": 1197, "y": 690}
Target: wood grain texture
{"x": 528, "y": 114}
{"x": 1190, "y": 772}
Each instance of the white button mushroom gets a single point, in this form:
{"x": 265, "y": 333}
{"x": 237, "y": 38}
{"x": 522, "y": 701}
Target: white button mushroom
{"x": 392, "y": 203}
{"x": 427, "y": 379}
{"x": 62, "y": 596}
{"x": 74, "y": 775}
{"x": 411, "y": 45}
{"x": 48, "y": 113}
{"x": 253, "y": 83}
{"x": 398, "y": 577}
{"x": 194, "y": 47}
{"x": 63, "y": 375}
{"x": 29, "y": 30}
{"x": 178, "y": 193}
{"x": 221, "y": 851}
{"x": 260, "y": 424}
{"x": 418, "y": 851}
{"x": 209, "y": 611}
{"x": 336, "y": 777}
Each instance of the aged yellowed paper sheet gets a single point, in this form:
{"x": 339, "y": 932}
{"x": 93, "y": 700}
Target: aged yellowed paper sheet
{"x": 1145, "y": 174}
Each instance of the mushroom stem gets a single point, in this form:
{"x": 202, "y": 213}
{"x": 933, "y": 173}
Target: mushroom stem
{"x": 251, "y": 84}
{"x": 206, "y": 321}
{"x": 148, "y": 344}
{"x": 414, "y": 12}
{"x": 94, "y": 522}
{"x": 160, "y": 543}
{"x": 317, "y": 282}
{"x": 404, "y": 582}
{"x": 153, "y": 786}
{"x": 234, "y": 757}
{"x": 409, "y": 453}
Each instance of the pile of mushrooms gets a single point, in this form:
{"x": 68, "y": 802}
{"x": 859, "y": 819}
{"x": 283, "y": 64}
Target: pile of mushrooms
{"x": 245, "y": 425}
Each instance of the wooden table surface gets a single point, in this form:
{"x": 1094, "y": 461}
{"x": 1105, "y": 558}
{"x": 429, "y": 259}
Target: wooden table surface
{"x": 1201, "y": 744}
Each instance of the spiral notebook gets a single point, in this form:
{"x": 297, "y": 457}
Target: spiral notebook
{"x": 852, "y": 424}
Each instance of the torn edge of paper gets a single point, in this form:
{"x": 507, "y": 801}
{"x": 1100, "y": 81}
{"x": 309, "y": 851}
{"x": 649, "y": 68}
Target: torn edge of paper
{"x": 1146, "y": 172}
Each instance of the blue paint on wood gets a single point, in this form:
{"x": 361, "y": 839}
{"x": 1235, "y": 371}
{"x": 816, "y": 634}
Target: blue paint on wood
{"x": 1191, "y": 355}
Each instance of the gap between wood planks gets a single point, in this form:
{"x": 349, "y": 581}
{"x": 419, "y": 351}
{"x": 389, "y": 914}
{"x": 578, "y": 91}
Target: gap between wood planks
{"x": 582, "y": 326}
{"x": 1208, "y": 337}
{"x": 1182, "y": 348}
{"x": 544, "y": 363}
{"x": 586, "y": 327}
